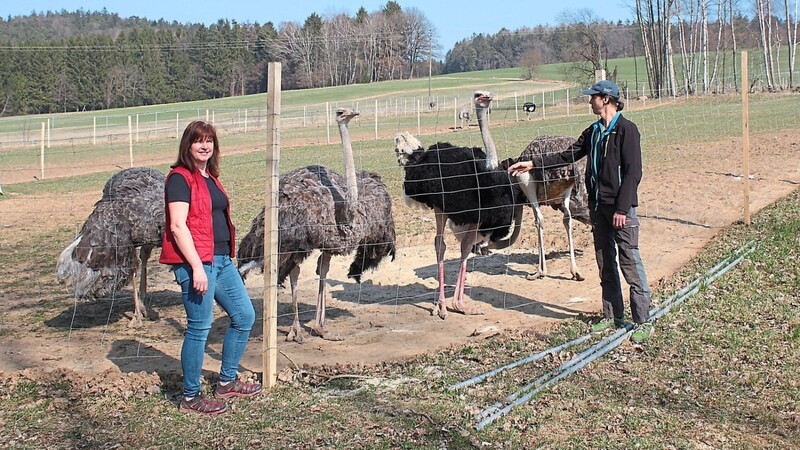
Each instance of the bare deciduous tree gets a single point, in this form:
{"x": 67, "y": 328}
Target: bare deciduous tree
{"x": 586, "y": 43}
{"x": 417, "y": 33}
{"x": 655, "y": 22}
{"x": 764, "y": 18}
{"x": 791, "y": 37}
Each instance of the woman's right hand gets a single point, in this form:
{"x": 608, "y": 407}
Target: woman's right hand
{"x": 200, "y": 280}
{"x": 521, "y": 167}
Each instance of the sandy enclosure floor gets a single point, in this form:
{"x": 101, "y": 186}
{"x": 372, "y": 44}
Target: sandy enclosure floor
{"x": 388, "y": 317}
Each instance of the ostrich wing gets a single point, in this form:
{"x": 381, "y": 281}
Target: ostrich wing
{"x": 311, "y": 213}
{"x": 129, "y": 215}
{"x": 455, "y": 180}
{"x": 376, "y": 225}
{"x": 543, "y": 145}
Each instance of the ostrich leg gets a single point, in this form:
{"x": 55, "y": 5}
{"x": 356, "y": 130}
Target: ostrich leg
{"x": 542, "y": 270}
{"x": 136, "y": 320}
{"x": 533, "y": 198}
{"x": 440, "y": 246}
{"x": 323, "y": 264}
{"x": 295, "y": 332}
{"x": 467, "y": 242}
{"x": 573, "y": 266}
{"x": 140, "y": 294}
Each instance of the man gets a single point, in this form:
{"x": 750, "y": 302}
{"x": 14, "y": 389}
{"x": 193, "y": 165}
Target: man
{"x": 613, "y": 172}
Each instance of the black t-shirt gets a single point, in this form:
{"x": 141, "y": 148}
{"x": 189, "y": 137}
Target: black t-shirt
{"x": 177, "y": 190}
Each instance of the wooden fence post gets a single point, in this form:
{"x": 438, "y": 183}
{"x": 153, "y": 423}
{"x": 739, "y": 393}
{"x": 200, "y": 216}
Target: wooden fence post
{"x": 41, "y": 154}
{"x": 328, "y": 121}
{"x": 130, "y": 139}
{"x": 270, "y": 303}
{"x": 745, "y": 139}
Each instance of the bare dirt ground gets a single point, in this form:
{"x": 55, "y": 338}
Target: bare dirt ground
{"x": 388, "y": 317}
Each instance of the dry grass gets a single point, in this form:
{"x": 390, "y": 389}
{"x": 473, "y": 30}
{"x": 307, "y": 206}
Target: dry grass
{"x": 721, "y": 372}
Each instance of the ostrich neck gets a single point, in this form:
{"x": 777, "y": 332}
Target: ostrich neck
{"x": 349, "y": 168}
{"x": 488, "y": 142}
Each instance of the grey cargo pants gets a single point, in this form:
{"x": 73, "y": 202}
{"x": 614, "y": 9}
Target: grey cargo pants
{"x": 607, "y": 241}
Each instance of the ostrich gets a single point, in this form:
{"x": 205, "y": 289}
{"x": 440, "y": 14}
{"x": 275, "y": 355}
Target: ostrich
{"x": 464, "y": 115}
{"x": 463, "y": 186}
{"x": 321, "y": 210}
{"x": 561, "y": 188}
{"x": 529, "y": 108}
{"x": 102, "y": 258}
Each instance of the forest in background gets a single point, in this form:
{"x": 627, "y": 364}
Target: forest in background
{"x": 91, "y": 60}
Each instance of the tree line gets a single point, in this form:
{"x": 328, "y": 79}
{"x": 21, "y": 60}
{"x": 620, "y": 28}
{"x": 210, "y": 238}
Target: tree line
{"x": 68, "y": 61}
{"x": 685, "y": 46}
{"x": 704, "y": 32}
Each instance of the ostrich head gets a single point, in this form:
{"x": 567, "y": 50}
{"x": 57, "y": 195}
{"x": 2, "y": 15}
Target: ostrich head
{"x": 343, "y": 115}
{"x": 483, "y": 105}
{"x": 405, "y": 145}
{"x": 482, "y": 99}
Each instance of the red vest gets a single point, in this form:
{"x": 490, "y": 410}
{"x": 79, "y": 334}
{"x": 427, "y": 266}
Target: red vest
{"x": 198, "y": 220}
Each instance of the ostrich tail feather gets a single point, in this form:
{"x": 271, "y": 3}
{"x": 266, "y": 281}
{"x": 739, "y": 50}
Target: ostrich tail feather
{"x": 250, "y": 255}
{"x": 85, "y": 281}
{"x": 66, "y": 264}
{"x": 246, "y": 268}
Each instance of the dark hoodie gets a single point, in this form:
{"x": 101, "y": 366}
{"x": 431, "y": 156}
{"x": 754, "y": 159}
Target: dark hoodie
{"x": 613, "y": 173}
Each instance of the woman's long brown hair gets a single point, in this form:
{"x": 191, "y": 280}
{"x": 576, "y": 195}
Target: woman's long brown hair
{"x": 196, "y": 131}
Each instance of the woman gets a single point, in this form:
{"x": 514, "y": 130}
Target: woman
{"x": 199, "y": 242}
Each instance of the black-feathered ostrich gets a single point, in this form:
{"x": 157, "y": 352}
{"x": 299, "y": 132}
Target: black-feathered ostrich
{"x": 103, "y": 257}
{"x": 321, "y": 210}
{"x": 561, "y": 188}
{"x": 465, "y": 187}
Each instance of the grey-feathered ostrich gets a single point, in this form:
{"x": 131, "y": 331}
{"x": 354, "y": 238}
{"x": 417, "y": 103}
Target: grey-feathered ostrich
{"x": 321, "y": 210}
{"x": 561, "y": 188}
{"x": 103, "y": 257}
{"x": 463, "y": 186}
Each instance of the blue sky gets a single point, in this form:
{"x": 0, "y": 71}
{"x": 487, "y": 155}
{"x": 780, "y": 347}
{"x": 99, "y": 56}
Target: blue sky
{"x": 454, "y": 20}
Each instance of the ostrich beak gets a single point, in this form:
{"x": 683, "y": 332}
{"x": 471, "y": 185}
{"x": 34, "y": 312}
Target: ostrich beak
{"x": 346, "y": 113}
{"x": 483, "y": 96}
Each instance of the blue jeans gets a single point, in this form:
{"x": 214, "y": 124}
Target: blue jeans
{"x": 225, "y": 285}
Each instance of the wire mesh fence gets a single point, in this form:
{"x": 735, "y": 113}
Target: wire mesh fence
{"x": 691, "y": 188}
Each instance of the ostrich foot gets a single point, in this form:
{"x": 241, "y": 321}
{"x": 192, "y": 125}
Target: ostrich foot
{"x": 481, "y": 249}
{"x": 577, "y": 276}
{"x": 440, "y": 310}
{"x": 322, "y": 332}
{"x": 534, "y": 276}
{"x": 137, "y": 321}
{"x": 467, "y": 310}
{"x": 296, "y": 335}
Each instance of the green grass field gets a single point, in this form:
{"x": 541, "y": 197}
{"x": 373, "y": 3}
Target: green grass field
{"x": 721, "y": 371}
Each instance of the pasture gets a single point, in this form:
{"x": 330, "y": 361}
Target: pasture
{"x": 690, "y": 196}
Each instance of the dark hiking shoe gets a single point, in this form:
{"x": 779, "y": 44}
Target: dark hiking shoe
{"x": 237, "y": 388}
{"x": 609, "y": 323}
{"x": 203, "y": 405}
{"x": 642, "y": 333}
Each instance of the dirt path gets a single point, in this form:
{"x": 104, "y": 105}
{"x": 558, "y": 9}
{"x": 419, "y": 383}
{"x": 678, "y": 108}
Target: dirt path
{"x": 388, "y": 316}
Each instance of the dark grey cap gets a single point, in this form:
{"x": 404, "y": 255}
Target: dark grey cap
{"x": 604, "y": 87}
